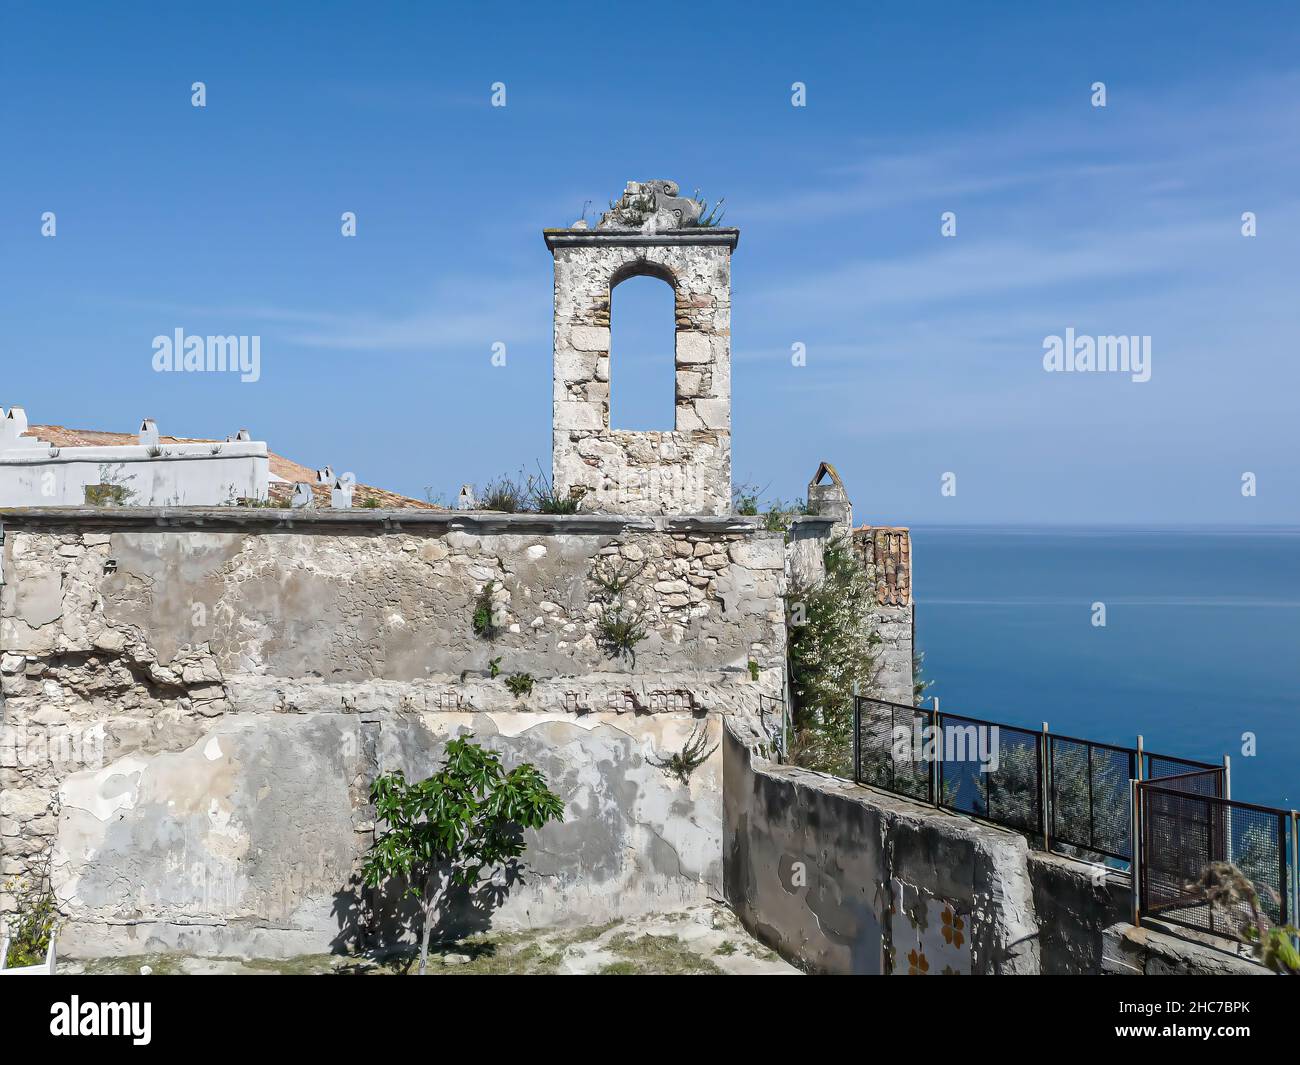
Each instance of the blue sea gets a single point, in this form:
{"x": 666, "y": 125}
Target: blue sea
{"x": 1201, "y": 642}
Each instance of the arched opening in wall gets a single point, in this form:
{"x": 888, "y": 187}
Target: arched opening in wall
{"x": 642, "y": 354}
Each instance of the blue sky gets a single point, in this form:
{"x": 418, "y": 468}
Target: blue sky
{"x": 924, "y": 353}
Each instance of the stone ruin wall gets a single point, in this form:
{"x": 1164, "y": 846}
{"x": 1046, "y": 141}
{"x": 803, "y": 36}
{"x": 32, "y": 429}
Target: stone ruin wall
{"x": 686, "y": 470}
{"x": 886, "y": 555}
{"x": 193, "y": 714}
{"x": 843, "y": 879}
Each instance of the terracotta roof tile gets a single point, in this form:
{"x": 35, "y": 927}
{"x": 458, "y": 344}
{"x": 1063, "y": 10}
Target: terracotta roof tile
{"x": 886, "y": 552}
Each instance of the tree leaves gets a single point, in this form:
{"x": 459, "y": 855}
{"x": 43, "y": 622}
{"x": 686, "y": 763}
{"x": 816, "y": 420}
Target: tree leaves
{"x": 463, "y": 817}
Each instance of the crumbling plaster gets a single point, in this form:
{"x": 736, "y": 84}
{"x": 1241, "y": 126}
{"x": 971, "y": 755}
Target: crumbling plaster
{"x": 231, "y": 683}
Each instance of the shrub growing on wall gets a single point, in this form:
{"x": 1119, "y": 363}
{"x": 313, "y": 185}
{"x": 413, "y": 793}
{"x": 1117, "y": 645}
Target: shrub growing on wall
{"x": 36, "y": 922}
{"x": 833, "y": 647}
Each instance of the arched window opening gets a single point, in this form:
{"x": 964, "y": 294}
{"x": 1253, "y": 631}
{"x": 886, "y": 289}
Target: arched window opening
{"x": 642, "y": 355}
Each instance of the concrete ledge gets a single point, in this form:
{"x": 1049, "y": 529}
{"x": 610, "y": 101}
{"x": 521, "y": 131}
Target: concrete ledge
{"x": 362, "y": 520}
{"x": 1131, "y": 951}
{"x": 622, "y": 238}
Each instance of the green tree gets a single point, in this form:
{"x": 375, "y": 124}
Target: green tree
{"x": 447, "y": 830}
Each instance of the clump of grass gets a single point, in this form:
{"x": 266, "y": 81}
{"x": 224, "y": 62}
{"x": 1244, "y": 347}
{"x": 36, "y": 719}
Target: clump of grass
{"x": 544, "y": 499}
{"x": 778, "y": 515}
{"x": 503, "y": 494}
{"x": 744, "y": 499}
{"x": 709, "y": 216}
{"x": 657, "y": 955}
{"x": 520, "y": 684}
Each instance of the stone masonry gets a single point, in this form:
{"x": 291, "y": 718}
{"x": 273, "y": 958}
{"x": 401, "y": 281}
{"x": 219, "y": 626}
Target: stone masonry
{"x": 687, "y": 470}
{"x": 197, "y": 700}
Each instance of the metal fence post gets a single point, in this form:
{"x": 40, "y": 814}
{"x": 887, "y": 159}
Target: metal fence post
{"x": 857, "y": 736}
{"x": 936, "y": 764}
{"x": 1294, "y": 915}
{"x": 1227, "y": 816}
{"x": 1045, "y": 785}
{"x": 1139, "y": 775}
{"x": 1135, "y": 866}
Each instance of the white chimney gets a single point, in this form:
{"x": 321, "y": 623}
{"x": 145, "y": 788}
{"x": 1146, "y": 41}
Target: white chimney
{"x": 149, "y": 433}
{"x": 341, "y": 493}
{"x": 15, "y": 423}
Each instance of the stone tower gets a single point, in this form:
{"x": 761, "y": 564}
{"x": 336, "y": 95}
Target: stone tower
{"x": 651, "y": 231}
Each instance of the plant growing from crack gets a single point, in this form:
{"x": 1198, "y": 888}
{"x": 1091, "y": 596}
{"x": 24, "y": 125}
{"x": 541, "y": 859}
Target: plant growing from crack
{"x": 37, "y": 919}
{"x": 505, "y": 494}
{"x": 621, "y": 625}
{"x": 484, "y": 621}
{"x": 709, "y": 216}
{"x": 520, "y": 684}
{"x": 545, "y": 499}
{"x": 694, "y": 753}
{"x": 448, "y": 830}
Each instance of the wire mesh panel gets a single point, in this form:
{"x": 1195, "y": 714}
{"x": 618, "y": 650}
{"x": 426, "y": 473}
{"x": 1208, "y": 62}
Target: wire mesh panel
{"x": 992, "y": 771}
{"x": 1187, "y": 841}
{"x": 1163, "y": 766}
{"x": 1206, "y": 782}
{"x": 891, "y": 747}
{"x": 1089, "y": 790}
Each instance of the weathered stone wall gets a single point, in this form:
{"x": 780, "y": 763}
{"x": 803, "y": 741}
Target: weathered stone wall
{"x": 841, "y": 880}
{"x": 886, "y": 555}
{"x": 844, "y": 879}
{"x": 195, "y": 703}
{"x": 687, "y": 470}
{"x": 893, "y": 624}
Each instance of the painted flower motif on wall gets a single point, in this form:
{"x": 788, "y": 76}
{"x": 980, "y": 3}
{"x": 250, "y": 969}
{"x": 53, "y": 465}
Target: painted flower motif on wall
{"x": 916, "y": 963}
{"x": 952, "y": 927}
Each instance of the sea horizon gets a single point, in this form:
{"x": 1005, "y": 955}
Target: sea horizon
{"x": 1194, "y": 649}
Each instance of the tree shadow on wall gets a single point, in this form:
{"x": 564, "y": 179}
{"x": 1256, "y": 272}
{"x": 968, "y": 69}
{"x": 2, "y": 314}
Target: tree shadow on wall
{"x": 386, "y": 922}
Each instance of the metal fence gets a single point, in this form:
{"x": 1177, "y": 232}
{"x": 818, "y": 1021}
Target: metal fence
{"x": 888, "y": 749}
{"x": 1078, "y": 796}
{"x": 1090, "y": 802}
{"x": 1186, "y": 833}
{"x": 991, "y": 771}
{"x": 1073, "y": 792}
